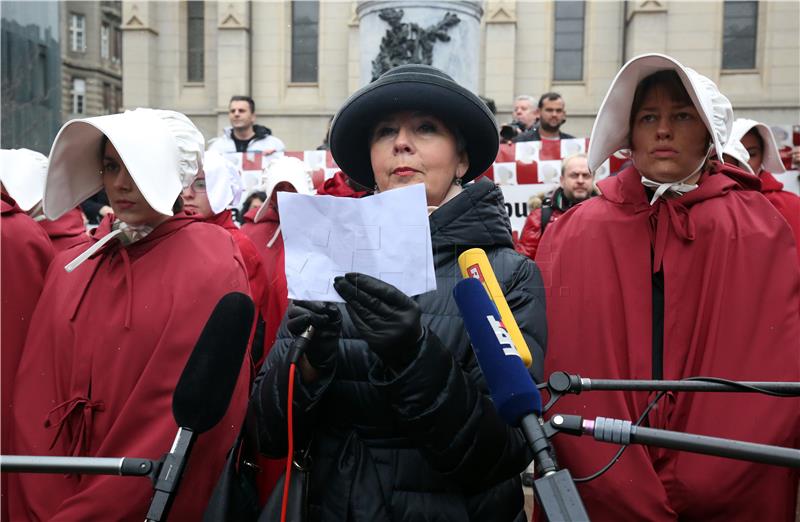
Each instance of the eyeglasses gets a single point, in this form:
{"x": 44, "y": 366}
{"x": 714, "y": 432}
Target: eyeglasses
{"x": 198, "y": 185}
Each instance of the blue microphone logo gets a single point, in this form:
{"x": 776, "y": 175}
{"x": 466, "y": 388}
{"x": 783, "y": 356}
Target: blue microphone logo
{"x": 502, "y": 336}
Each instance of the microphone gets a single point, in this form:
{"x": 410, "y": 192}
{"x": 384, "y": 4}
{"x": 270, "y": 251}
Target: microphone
{"x": 204, "y": 390}
{"x": 475, "y": 264}
{"x": 516, "y": 397}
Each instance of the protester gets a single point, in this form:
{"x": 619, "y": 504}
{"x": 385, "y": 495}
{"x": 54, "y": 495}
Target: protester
{"x": 24, "y": 258}
{"x": 396, "y": 408}
{"x": 764, "y": 161}
{"x": 288, "y": 175}
{"x": 677, "y": 269}
{"x": 552, "y": 114}
{"x": 216, "y": 189}
{"x": 23, "y": 175}
{"x": 576, "y": 185}
{"x": 114, "y": 328}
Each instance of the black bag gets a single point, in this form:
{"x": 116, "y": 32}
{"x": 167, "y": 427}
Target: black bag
{"x": 297, "y": 504}
{"x": 235, "y": 497}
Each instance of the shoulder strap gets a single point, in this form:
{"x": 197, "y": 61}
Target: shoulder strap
{"x": 547, "y": 212}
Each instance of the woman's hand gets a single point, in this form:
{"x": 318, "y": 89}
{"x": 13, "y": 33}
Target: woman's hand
{"x": 387, "y": 318}
{"x": 327, "y": 322}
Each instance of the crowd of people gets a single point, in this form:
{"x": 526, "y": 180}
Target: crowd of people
{"x": 685, "y": 263}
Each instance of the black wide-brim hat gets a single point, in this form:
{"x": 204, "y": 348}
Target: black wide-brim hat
{"x": 419, "y": 88}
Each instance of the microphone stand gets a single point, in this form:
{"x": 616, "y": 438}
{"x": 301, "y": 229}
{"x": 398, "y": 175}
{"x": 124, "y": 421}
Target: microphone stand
{"x": 623, "y": 432}
{"x": 124, "y": 466}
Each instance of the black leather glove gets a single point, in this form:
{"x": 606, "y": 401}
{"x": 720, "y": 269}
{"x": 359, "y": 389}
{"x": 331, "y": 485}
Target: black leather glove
{"x": 327, "y": 323}
{"x": 387, "y": 318}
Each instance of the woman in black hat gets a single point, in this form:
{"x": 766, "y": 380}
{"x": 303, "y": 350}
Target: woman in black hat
{"x": 390, "y": 394}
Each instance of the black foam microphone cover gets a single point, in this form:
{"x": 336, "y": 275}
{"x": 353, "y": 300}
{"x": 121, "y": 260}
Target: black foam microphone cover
{"x": 206, "y": 385}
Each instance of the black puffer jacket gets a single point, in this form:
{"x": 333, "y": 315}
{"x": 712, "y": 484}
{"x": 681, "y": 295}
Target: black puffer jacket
{"x": 429, "y": 444}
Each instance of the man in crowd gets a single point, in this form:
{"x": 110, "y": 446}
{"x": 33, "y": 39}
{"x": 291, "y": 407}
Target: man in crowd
{"x": 552, "y": 115}
{"x": 577, "y": 184}
{"x": 525, "y": 113}
{"x": 244, "y": 135}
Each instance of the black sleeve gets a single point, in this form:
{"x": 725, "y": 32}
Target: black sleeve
{"x": 91, "y": 207}
{"x": 447, "y": 413}
{"x": 269, "y": 399}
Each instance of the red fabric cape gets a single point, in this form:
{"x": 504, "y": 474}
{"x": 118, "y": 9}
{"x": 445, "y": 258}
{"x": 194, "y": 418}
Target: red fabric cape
{"x": 787, "y": 203}
{"x": 106, "y": 347}
{"x": 338, "y": 186}
{"x": 25, "y": 254}
{"x": 67, "y": 231}
{"x": 256, "y": 274}
{"x": 732, "y": 295}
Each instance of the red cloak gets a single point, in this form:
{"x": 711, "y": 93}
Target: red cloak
{"x": 731, "y": 300}
{"x": 25, "y": 254}
{"x": 787, "y": 203}
{"x": 107, "y": 345}
{"x": 338, "y": 186}
{"x": 67, "y": 231}
{"x": 256, "y": 274}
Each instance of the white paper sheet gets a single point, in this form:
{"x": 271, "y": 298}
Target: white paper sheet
{"x": 386, "y": 236}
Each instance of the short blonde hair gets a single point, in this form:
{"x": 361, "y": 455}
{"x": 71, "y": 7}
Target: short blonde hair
{"x": 571, "y": 157}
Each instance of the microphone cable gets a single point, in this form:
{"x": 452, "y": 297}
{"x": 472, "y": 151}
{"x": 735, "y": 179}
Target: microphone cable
{"x": 658, "y": 397}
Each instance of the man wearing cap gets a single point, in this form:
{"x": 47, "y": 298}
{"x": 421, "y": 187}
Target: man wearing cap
{"x": 671, "y": 273}
{"x": 244, "y": 135}
{"x": 576, "y": 185}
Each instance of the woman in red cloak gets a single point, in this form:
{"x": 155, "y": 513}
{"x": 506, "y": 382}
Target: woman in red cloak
{"x": 114, "y": 328}
{"x": 678, "y": 269}
{"x": 764, "y": 160}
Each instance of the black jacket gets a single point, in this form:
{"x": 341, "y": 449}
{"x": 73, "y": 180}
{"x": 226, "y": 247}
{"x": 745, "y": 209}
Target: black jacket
{"x": 533, "y": 135}
{"x": 428, "y": 444}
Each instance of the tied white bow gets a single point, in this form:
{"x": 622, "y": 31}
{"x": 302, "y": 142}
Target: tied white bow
{"x": 676, "y": 187}
{"x": 126, "y": 233}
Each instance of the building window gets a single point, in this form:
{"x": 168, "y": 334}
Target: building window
{"x": 117, "y": 99}
{"x": 305, "y": 40}
{"x": 77, "y": 33}
{"x": 104, "y": 41}
{"x": 739, "y": 35}
{"x": 195, "y": 41}
{"x": 108, "y": 98}
{"x": 116, "y": 47}
{"x": 568, "y": 47}
{"x": 78, "y": 95}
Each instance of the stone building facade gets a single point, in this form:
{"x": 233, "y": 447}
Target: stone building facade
{"x": 91, "y": 57}
{"x": 300, "y": 60}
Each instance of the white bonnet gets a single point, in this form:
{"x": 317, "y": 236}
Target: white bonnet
{"x": 771, "y": 158}
{"x": 736, "y": 150}
{"x": 223, "y": 182}
{"x": 285, "y": 169}
{"x": 161, "y": 149}
{"x": 22, "y": 172}
{"x": 611, "y": 131}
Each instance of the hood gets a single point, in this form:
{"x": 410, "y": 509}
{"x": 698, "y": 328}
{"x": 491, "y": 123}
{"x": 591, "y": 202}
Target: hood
{"x": 260, "y": 131}
{"x": 338, "y": 186}
{"x": 477, "y": 216}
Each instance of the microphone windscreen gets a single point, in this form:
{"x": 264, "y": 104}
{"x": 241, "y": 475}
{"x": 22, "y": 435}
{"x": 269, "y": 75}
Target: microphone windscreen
{"x": 206, "y": 385}
{"x": 513, "y": 391}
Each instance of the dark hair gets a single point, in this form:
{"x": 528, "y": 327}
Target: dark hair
{"x": 754, "y": 132}
{"x": 667, "y": 80}
{"x": 249, "y": 201}
{"x": 490, "y": 104}
{"x": 103, "y": 142}
{"x": 248, "y": 99}
{"x": 549, "y": 96}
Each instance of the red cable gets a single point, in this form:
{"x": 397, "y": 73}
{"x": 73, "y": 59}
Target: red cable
{"x": 290, "y": 442}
